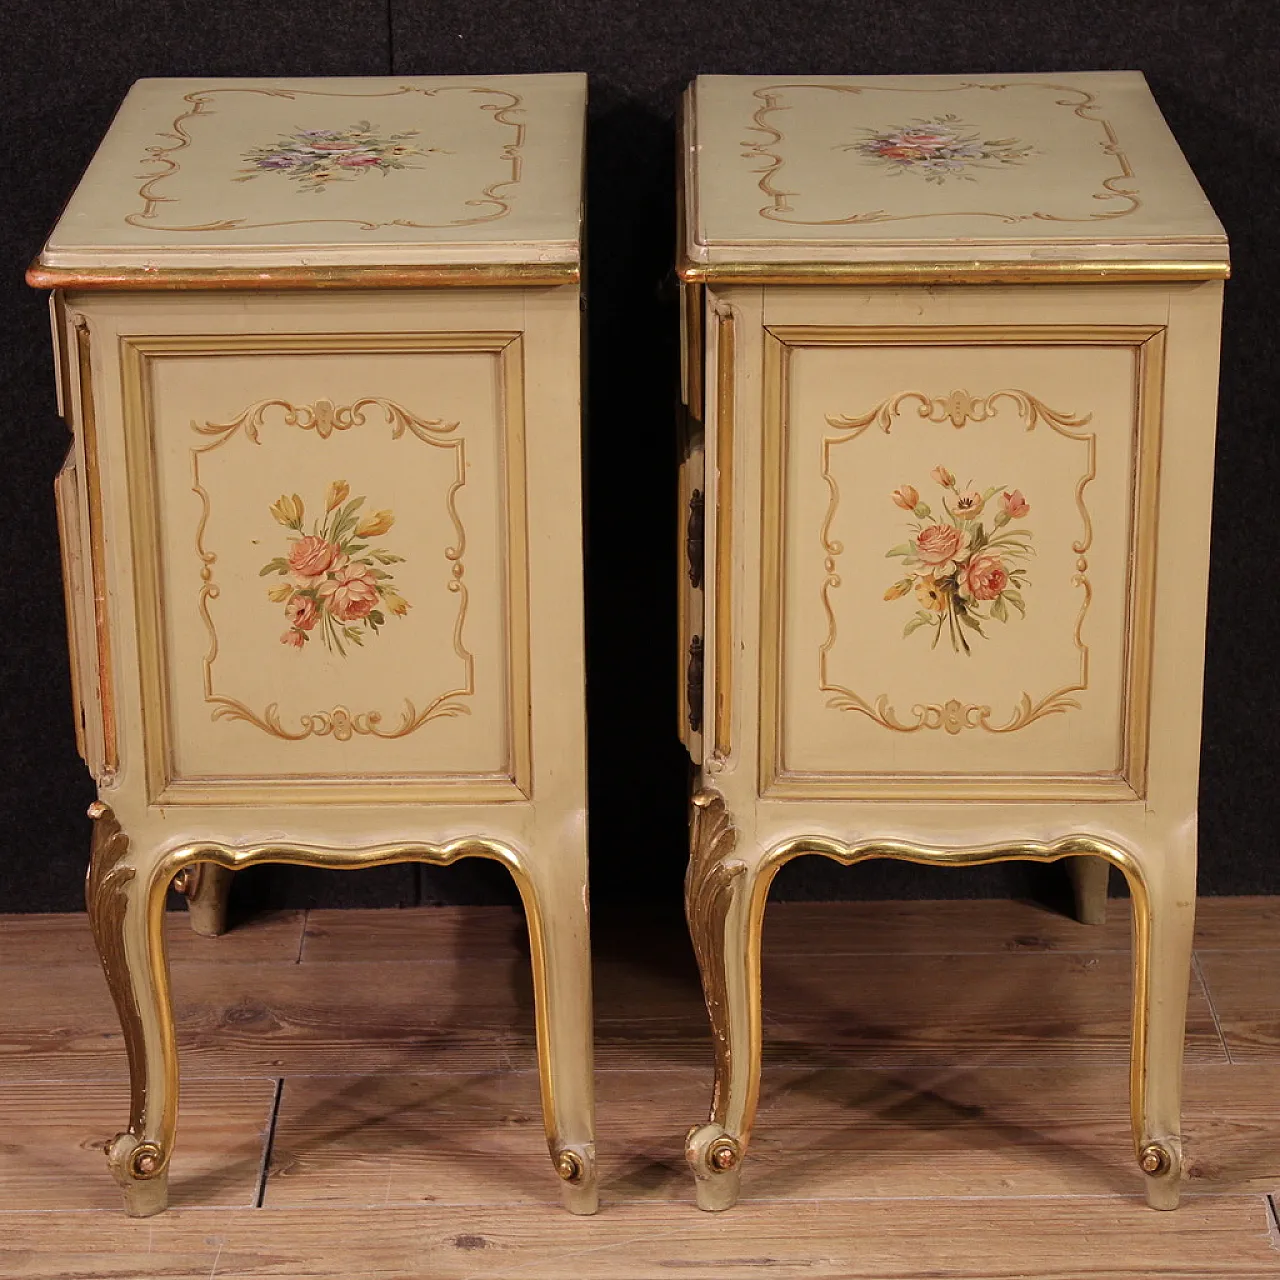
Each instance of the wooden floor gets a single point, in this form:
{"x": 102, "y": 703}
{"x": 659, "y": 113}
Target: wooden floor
{"x": 944, "y": 1096}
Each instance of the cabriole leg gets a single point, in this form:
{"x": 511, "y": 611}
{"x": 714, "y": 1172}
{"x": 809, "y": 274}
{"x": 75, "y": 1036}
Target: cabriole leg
{"x": 718, "y": 902}
{"x": 206, "y": 887}
{"x": 555, "y": 904}
{"x": 125, "y": 900}
{"x": 1164, "y": 923}
{"x": 1089, "y": 879}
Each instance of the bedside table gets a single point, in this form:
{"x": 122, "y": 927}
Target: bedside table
{"x": 959, "y": 344}
{"x": 318, "y": 344}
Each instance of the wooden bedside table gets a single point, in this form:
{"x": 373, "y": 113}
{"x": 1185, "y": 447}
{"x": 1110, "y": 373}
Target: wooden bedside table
{"x": 956, "y": 339}
{"x": 318, "y": 343}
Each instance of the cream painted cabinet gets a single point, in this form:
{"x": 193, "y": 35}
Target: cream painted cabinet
{"x": 318, "y": 344}
{"x": 954, "y": 344}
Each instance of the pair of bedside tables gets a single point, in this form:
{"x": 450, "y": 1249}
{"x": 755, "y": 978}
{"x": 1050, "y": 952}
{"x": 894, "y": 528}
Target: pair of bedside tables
{"x": 949, "y": 400}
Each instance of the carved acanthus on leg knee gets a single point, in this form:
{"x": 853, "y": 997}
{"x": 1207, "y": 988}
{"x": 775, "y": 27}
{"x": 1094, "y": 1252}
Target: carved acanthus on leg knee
{"x": 713, "y": 880}
{"x": 140, "y": 1164}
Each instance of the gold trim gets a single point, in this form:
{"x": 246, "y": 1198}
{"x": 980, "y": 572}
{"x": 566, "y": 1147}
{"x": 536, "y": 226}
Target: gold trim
{"x": 114, "y": 890}
{"x": 715, "y": 873}
{"x": 958, "y": 408}
{"x": 975, "y": 271}
{"x": 97, "y": 552}
{"x": 425, "y": 275}
{"x": 710, "y": 883}
{"x": 106, "y": 901}
{"x": 200, "y": 99}
{"x": 324, "y": 417}
{"x": 726, "y": 386}
{"x": 1147, "y": 343}
{"x": 59, "y": 331}
{"x": 693, "y": 349}
{"x": 514, "y": 783}
{"x": 769, "y": 96}
{"x": 66, "y": 501}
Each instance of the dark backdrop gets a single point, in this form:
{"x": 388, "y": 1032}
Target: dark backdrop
{"x": 1213, "y": 67}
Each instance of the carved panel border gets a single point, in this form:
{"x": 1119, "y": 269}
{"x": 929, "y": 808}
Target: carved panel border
{"x": 1129, "y": 783}
{"x": 514, "y": 782}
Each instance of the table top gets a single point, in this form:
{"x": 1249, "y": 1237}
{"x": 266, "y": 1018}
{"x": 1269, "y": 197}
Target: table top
{"x": 989, "y": 170}
{"x": 330, "y": 174}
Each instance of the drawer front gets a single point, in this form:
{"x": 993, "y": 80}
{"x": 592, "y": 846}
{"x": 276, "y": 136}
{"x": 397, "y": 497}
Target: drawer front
{"x": 958, "y": 542}
{"x": 329, "y": 537}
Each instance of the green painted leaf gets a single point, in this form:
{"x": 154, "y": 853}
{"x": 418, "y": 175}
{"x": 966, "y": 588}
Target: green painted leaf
{"x": 922, "y": 511}
{"x": 999, "y": 610}
{"x": 278, "y": 565}
{"x": 915, "y": 624}
{"x": 905, "y": 549}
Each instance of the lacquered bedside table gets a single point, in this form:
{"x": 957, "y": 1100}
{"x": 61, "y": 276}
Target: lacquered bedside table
{"x": 955, "y": 344}
{"x": 318, "y": 343}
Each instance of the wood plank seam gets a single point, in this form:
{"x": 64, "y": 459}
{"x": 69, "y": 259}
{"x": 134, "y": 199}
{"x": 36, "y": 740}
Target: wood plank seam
{"x": 268, "y": 1143}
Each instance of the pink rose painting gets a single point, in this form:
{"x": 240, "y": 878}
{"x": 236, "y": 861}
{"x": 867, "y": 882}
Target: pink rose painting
{"x": 962, "y": 572}
{"x": 939, "y": 149}
{"x": 336, "y": 585}
{"x": 316, "y": 157}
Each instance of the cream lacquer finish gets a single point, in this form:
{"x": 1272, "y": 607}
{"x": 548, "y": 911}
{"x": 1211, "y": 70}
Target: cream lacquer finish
{"x": 1087, "y": 170}
{"x": 493, "y": 174}
{"x": 214, "y": 431}
{"x": 837, "y": 720}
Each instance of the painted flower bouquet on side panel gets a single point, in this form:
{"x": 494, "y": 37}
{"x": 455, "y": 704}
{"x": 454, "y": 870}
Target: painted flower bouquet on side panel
{"x": 337, "y": 585}
{"x": 962, "y": 572}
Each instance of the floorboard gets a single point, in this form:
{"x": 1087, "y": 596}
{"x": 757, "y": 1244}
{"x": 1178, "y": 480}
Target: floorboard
{"x": 944, "y": 1095}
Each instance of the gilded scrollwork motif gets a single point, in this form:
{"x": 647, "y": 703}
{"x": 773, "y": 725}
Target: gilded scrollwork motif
{"x": 710, "y": 883}
{"x": 324, "y": 417}
{"x": 495, "y": 199}
{"x": 1082, "y": 104}
{"x": 959, "y": 408}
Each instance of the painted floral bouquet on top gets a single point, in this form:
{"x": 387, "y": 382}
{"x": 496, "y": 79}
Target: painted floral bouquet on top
{"x": 938, "y": 149}
{"x": 335, "y": 582}
{"x": 315, "y": 157}
{"x": 958, "y": 566}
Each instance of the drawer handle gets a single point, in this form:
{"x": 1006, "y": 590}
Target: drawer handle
{"x": 693, "y": 538}
{"x": 693, "y": 684}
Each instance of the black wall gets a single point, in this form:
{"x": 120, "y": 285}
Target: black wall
{"x": 64, "y": 68}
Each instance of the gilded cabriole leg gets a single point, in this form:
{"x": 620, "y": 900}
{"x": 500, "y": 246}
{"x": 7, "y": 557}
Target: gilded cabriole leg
{"x": 1089, "y": 880}
{"x": 725, "y": 899}
{"x": 206, "y": 887}
{"x": 725, "y": 933}
{"x": 125, "y": 900}
{"x": 561, "y": 958}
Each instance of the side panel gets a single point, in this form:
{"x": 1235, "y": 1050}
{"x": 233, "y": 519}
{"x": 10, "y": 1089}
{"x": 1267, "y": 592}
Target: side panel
{"x": 278, "y": 468}
{"x": 957, "y": 516}
{"x": 326, "y": 537}
{"x": 864, "y": 418}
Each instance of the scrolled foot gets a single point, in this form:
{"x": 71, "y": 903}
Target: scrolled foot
{"x": 1161, "y": 1165}
{"x": 715, "y": 1157}
{"x": 142, "y": 1170}
{"x": 576, "y": 1169}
